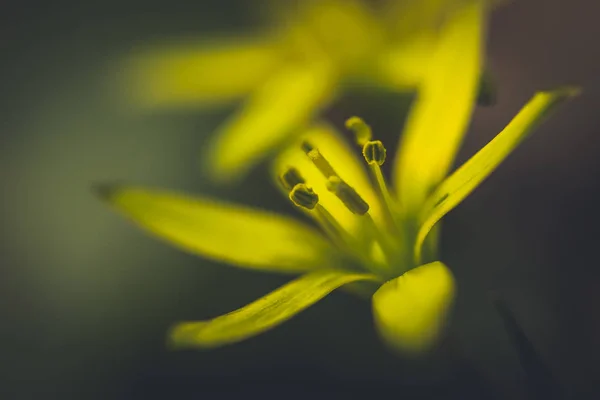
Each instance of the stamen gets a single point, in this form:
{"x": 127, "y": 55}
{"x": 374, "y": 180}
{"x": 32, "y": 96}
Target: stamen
{"x": 360, "y": 129}
{"x": 342, "y": 238}
{"x": 353, "y": 201}
{"x": 290, "y": 178}
{"x": 332, "y": 227}
{"x": 357, "y": 205}
{"x": 317, "y": 158}
{"x": 328, "y": 222}
{"x": 303, "y": 196}
{"x": 347, "y": 195}
{"x": 335, "y": 184}
{"x": 374, "y": 152}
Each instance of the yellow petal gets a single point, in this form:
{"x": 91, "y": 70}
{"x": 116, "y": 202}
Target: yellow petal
{"x": 347, "y": 164}
{"x": 263, "y": 314}
{"x": 408, "y": 18}
{"x": 237, "y": 235}
{"x": 402, "y": 66}
{"x": 410, "y": 311}
{"x": 466, "y": 178}
{"x": 200, "y": 74}
{"x": 288, "y": 101}
{"x": 344, "y": 31}
{"x": 441, "y": 112}
{"x": 413, "y": 29}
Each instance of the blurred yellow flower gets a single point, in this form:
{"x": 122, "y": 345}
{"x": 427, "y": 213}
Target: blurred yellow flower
{"x": 312, "y": 53}
{"x": 375, "y": 238}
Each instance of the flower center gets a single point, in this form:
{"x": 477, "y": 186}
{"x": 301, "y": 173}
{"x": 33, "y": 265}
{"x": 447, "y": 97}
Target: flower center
{"x": 381, "y": 248}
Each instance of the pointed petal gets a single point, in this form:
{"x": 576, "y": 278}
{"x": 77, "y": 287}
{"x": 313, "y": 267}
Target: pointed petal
{"x": 203, "y": 74}
{"x": 241, "y": 236}
{"x": 441, "y": 112}
{"x": 466, "y": 178}
{"x": 344, "y": 160}
{"x": 414, "y": 27}
{"x": 410, "y": 310}
{"x": 288, "y": 101}
{"x": 263, "y": 314}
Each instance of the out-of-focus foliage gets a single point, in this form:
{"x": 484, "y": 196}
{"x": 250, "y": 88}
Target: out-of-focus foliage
{"x": 289, "y": 71}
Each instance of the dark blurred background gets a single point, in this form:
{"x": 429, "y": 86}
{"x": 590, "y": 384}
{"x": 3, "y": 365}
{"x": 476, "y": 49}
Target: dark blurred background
{"x": 87, "y": 298}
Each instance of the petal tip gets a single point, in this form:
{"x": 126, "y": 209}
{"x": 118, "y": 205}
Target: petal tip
{"x": 181, "y": 336}
{"x": 219, "y": 172}
{"x": 567, "y": 91}
{"x": 572, "y": 91}
{"x": 106, "y": 191}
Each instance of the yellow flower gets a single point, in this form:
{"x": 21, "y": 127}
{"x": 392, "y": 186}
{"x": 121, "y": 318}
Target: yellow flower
{"x": 313, "y": 53}
{"x": 374, "y": 237}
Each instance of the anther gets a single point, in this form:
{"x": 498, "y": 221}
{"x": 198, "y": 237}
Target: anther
{"x": 318, "y": 160}
{"x": 347, "y": 195}
{"x": 303, "y": 196}
{"x": 374, "y": 152}
{"x": 360, "y": 129}
{"x": 291, "y": 178}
